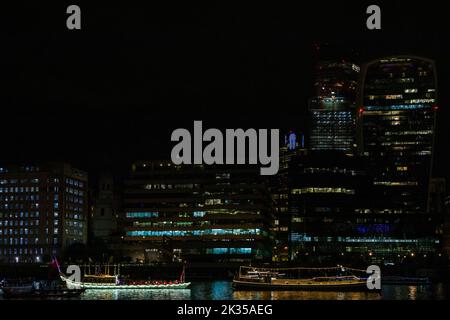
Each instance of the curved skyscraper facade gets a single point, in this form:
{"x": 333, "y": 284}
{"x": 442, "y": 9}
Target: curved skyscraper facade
{"x": 397, "y": 126}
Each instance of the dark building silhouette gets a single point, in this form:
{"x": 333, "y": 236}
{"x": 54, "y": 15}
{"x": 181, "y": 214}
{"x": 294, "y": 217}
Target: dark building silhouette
{"x": 292, "y": 146}
{"x": 325, "y": 192}
{"x": 105, "y": 209}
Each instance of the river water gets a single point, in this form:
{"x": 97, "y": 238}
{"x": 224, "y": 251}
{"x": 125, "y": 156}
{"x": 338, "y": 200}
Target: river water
{"x": 222, "y": 290}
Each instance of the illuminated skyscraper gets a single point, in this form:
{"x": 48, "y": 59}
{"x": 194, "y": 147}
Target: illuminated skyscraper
{"x": 397, "y": 119}
{"x": 332, "y": 109}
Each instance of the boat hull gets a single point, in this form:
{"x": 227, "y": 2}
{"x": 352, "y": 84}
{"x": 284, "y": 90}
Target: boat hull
{"x": 43, "y": 294}
{"x": 245, "y": 285}
{"x": 108, "y": 286}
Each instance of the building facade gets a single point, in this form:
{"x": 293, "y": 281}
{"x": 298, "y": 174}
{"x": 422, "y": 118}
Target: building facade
{"x": 105, "y": 209}
{"x": 192, "y": 212}
{"x": 333, "y": 107}
{"x": 292, "y": 147}
{"x": 43, "y": 210}
{"x": 397, "y": 124}
{"x": 372, "y": 205}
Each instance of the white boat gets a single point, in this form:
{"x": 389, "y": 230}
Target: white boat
{"x": 107, "y": 281}
{"x": 145, "y": 285}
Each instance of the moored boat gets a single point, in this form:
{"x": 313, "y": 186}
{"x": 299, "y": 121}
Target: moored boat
{"x": 335, "y": 279}
{"x": 13, "y": 293}
{"x": 129, "y": 285}
{"x": 107, "y": 281}
{"x": 7, "y": 290}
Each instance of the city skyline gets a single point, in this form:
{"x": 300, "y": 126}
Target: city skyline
{"x": 118, "y": 105}
{"x": 219, "y": 151}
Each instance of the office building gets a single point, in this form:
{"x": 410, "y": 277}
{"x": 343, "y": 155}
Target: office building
{"x": 333, "y": 107}
{"x": 195, "y": 212}
{"x": 397, "y": 121}
{"x": 43, "y": 210}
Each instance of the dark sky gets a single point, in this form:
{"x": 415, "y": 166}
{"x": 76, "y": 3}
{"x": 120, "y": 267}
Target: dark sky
{"x": 114, "y": 91}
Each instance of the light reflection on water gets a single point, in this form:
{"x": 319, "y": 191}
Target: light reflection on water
{"x": 130, "y": 294}
{"x": 222, "y": 290}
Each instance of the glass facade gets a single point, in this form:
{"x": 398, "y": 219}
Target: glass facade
{"x": 332, "y": 109}
{"x": 397, "y": 118}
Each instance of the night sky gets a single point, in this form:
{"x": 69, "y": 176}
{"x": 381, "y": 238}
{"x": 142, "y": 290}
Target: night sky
{"x": 114, "y": 91}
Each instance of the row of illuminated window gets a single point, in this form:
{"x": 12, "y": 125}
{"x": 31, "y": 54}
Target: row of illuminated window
{"x": 396, "y": 183}
{"x": 146, "y": 214}
{"x": 74, "y": 182}
{"x": 395, "y": 143}
{"x": 74, "y": 216}
{"x": 212, "y": 202}
{"x": 17, "y": 223}
{"x": 400, "y": 96}
{"x": 19, "y": 231}
{"x": 379, "y": 211}
{"x": 399, "y": 107}
{"x": 74, "y": 191}
{"x": 31, "y": 197}
{"x": 74, "y": 233}
{"x": 171, "y": 224}
{"x": 11, "y": 251}
{"x": 19, "y": 241}
{"x": 161, "y": 186}
{"x": 330, "y": 170}
{"x": 21, "y": 214}
{"x": 296, "y": 237}
{"x": 322, "y": 190}
{"x": 76, "y": 224}
{"x": 182, "y": 233}
{"x": 19, "y": 181}
{"x": 410, "y": 153}
{"x": 74, "y": 208}
{"x": 278, "y": 196}
{"x": 25, "y": 241}
{"x": 387, "y": 117}
{"x": 19, "y": 189}
{"x": 208, "y": 202}
{"x": 33, "y": 205}
{"x": 75, "y": 199}
{"x": 332, "y": 113}
{"x": 229, "y": 251}
{"x": 194, "y": 214}
{"x": 407, "y": 132}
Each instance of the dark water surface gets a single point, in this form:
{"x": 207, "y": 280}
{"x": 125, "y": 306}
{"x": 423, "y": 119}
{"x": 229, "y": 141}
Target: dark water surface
{"x": 222, "y": 290}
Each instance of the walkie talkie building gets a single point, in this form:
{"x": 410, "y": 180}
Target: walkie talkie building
{"x": 396, "y": 122}
{"x": 397, "y": 119}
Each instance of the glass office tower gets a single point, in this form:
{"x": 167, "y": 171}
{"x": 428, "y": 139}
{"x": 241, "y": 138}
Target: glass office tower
{"x": 397, "y": 119}
{"x": 332, "y": 109}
